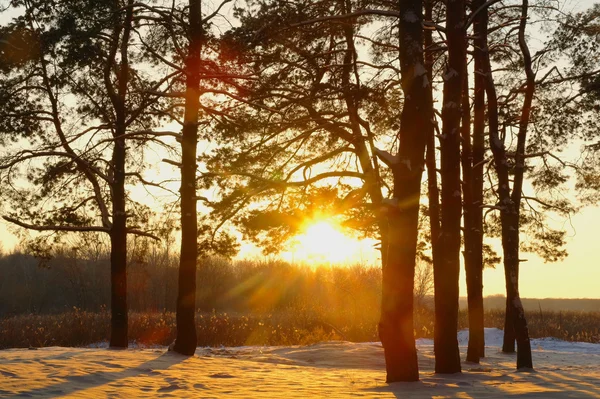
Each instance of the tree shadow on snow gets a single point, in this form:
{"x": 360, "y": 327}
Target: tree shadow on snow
{"x": 77, "y": 383}
{"x": 497, "y": 384}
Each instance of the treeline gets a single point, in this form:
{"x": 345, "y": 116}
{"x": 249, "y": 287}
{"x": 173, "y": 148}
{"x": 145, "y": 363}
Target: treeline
{"x": 537, "y": 305}
{"x": 67, "y": 282}
{"x": 246, "y": 286}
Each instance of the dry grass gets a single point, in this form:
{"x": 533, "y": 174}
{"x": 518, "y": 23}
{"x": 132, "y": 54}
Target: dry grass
{"x": 81, "y": 328}
{"x": 293, "y": 327}
{"x": 567, "y": 325}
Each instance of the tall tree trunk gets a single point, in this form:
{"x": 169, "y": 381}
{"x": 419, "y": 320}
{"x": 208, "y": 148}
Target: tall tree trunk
{"x": 510, "y": 203}
{"x": 396, "y": 324}
{"x": 476, "y": 348}
{"x": 446, "y": 275}
{"x": 501, "y": 167}
{"x": 433, "y": 192}
{"x": 472, "y": 267}
{"x": 118, "y": 234}
{"x": 185, "y": 342}
{"x": 118, "y": 251}
{"x": 524, "y": 359}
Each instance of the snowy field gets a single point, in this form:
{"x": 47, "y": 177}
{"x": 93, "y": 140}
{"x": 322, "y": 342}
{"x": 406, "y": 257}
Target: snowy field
{"x": 331, "y": 369}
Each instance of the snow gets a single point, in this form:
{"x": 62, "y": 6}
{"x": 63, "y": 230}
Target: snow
{"x": 420, "y": 70}
{"x": 332, "y": 369}
{"x": 450, "y": 73}
{"x": 493, "y": 337}
{"x": 386, "y": 157}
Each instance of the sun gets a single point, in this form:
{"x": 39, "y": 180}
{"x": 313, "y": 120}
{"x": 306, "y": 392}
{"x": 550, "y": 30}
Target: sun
{"x": 323, "y": 242}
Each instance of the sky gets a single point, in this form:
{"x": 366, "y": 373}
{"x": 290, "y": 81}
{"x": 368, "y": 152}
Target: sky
{"x": 577, "y": 276}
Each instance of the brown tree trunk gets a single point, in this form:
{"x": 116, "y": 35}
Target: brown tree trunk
{"x": 118, "y": 251}
{"x": 396, "y": 329}
{"x": 185, "y": 342}
{"x": 515, "y": 322}
{"x": 118, "y": 233}
{"x": 505, "y": 201}
{"x": 510, "y": 203}
{"x": 396, "y": 324}
{"x": 476, "y": 348}
{"x": 473, "y": 269}
{"x": 433, "y": 192}
{"x": 524, "y": 360}
{"x": 446, "y": 275}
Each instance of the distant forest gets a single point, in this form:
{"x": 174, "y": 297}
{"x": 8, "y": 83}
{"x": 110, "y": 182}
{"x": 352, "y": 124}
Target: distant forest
{"x": 68, "y": 282}
{"x": 227, "y": 286}
{"x": 542, "y": 304}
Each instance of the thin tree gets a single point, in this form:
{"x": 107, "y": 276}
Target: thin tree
{"x": 185, "y": 342}
{"x": 473, "y": 168}
{"x": 118, "y": 235}
{"x": 509, "y": 202}
{"x": 446, "y": 273}
{"x": 433, "y": 191}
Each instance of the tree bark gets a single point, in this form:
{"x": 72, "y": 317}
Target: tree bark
{"x": 474, "y": 245}
{"x": 515, "y": 321}
{"x": 505, "y": 202}
{"x": 185, "y": 342}
{"x": 118, "y": 233}
{"x": 524, "y": 360}
{"x": 396, "y": 329}
{"x": 396, "y": 324}
{"x": 508, "y": 339}
{"x": 473, "y": 269}
{"x": 433, "y": 192}
{"x": 446, "y": 275}
{"x": 118, "y": 251}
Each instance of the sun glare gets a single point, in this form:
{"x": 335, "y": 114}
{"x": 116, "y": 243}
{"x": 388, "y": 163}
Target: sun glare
{"x": 323, "y": 242}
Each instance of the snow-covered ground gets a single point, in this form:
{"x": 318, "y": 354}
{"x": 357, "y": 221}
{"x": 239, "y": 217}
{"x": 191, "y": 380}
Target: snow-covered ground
{"x": 330, "y": 369}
